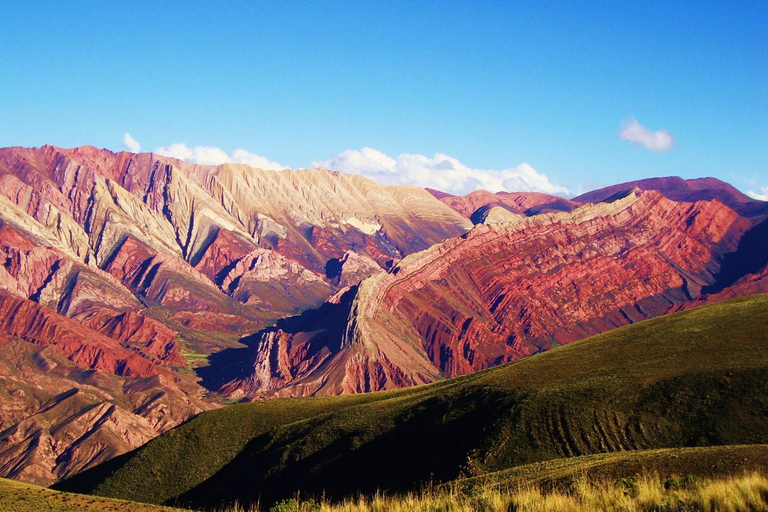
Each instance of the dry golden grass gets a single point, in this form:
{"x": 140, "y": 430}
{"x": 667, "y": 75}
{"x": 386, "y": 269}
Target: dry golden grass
{"x": 649, "y": 492}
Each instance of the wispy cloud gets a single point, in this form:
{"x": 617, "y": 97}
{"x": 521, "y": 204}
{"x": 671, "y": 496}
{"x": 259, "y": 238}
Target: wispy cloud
{"x": 441, "y": 172}
{"x": 211, "y": 155}
{"x": 639, "y": 135}
{"x": 130, "y": 143}
{"x": 760, "y": 196}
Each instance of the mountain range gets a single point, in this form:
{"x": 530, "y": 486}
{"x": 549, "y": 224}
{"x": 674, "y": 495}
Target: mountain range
{"x": 692, "y": 382}
{"x": 137, "y": 291}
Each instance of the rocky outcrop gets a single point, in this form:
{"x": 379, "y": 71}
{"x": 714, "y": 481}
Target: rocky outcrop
{"x": 350, "y": 269}
{"x": 25, "y": 319}
{"x": 503, "y": 292}
{"x": 150, "y": 338}
{"x": 314, "y": 354}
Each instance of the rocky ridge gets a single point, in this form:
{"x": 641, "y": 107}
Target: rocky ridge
{"x": 502, "y": 292}
{"x": 130, "y": 269}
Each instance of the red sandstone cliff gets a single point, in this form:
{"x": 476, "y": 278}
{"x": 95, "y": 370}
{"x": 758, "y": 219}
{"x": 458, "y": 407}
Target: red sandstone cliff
{"x": 501, "y": 292}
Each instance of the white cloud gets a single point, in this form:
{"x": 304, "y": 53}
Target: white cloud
{"x": 242, "y": 156}
{"x": 210, "y": 155}
{"x": 441, "y": 172}
{"x": 130, "y": 143}
{"x": 639, "y": 135}
{"x": 760, "y": 196}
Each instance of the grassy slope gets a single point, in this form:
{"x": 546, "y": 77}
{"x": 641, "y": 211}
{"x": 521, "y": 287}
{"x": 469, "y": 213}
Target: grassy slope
{"x": 709, "y": 461}
{"x": 695, "y": 378}
{"x": 19, "y": 497}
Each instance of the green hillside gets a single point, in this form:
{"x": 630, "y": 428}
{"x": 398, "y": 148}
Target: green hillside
{"x": 20, "y": 497}
{"x": 702, "y": 462}
{"x": 695, "y": 378}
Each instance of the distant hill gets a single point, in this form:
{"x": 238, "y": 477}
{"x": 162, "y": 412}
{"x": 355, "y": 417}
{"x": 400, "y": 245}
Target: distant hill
{"x": 678, "y": 189}
{"x": 694, "y": 378}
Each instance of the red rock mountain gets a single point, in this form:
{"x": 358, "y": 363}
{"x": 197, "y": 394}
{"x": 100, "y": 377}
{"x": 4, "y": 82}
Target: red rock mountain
{"x": 508, "y": 290}
{"x": 678, "y": 189}
{"x": 477, "y": 206}
{"x": 137, "y": 290}
{"x": 121, "y": 273}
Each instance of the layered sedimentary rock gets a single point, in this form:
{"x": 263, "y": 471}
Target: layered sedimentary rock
{"x": 130, "y": 270}
{"x": 59, "y": 418}
{"x": 477, "y": 205}
{"x": 678, "y": 189}
{"x": 499, "y": 293}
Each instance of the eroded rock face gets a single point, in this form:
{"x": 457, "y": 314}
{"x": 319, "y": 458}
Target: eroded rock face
{"x": 502, "y": 292}
{"x": 182, "y": 228}
{"x": 58, "y": 418}
{"x": 115, "y": 264}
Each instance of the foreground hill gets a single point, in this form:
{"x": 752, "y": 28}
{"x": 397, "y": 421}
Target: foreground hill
{"x": 715, "y": 476}
{"x": 20, "y": 497}
{"x": 701, "y": 461}
{"x": 694, "y": 378}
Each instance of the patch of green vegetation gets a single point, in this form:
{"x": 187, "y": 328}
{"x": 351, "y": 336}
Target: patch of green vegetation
{"x": 695, "y": 378}
{"x": 194, "y": 359}
{"x": 199, "y": 343}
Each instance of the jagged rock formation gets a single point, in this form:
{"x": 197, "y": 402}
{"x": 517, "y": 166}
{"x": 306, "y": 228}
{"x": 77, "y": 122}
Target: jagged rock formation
{"x": 123, "y": 271}
{"x": 499, "y": 293}
{"x": 173, "y": 232}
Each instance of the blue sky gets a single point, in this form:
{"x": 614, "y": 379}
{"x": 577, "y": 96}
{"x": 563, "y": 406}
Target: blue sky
{"x": 491, "y": 92}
